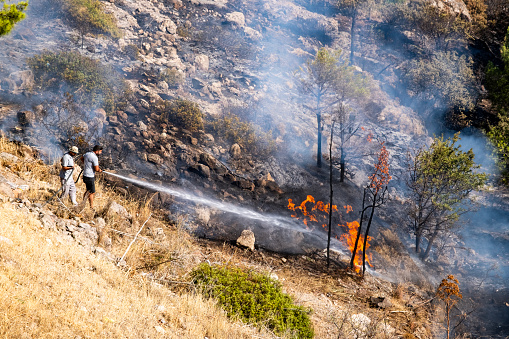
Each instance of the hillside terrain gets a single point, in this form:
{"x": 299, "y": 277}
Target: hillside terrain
{"x": 208, "y": 133}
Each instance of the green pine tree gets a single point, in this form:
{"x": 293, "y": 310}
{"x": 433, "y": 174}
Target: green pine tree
{"x": 10, "y": 15}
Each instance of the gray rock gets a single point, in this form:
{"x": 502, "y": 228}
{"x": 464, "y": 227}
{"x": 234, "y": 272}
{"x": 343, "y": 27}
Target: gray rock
{"x": 235, "y": 150}
{"x": 168, "y": 26}
{"x": 155, "y": 158}
{"x": 48, "y": 221}
{"x": 117, "y": 209}
{"x": 252, "y": 34}
{"x": 142, "y": 126}
{"x": 236, "y": 18}
{"x": 247, "y": 239}
{"x": 200, "y": 169}
{"x": 202, "y": 62}
{"x": 8, "y": 157}
{"x": 217, "y": 3}
{"x": 198, "y": 83}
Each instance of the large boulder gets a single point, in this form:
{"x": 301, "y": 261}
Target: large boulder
{"x": 168, "y": 26}
{"x": 155, "y": 158}
{"x": 247, "y": 239}
{"x": 236, "y": 18}
{"x": 202, "y": 62}
{"x": 208, "y": 160}
{"x": 235, "y": 151}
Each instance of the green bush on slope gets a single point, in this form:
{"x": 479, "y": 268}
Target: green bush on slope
{"x": 254, "y": 298}
{"x": 89, "y": 17}
{"x": 91, "y": 83}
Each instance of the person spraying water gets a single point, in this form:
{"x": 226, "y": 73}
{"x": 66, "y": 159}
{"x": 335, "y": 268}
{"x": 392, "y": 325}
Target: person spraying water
{"x": 90, "y": 167}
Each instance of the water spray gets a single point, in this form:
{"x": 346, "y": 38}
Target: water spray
{"x": 279, "y": 221}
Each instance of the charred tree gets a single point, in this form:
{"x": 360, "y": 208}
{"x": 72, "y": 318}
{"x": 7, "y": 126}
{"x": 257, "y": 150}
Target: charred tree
{"x": 375, "y": 195}
{"x": 331, "y": 194}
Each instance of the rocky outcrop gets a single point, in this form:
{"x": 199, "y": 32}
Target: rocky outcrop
{"x": 455, "y": 7}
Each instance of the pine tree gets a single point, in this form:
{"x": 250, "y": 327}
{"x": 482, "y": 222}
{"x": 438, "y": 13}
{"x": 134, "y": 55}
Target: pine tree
{"x": 10, "y": 15}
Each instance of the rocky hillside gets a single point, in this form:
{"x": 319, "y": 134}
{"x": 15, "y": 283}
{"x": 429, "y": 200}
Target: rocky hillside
{"x": 114, "y": 289}
{"x": 238, "y": 59}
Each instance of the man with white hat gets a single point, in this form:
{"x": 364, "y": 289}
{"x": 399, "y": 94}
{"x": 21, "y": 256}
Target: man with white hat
{"x": 68, "y": 187}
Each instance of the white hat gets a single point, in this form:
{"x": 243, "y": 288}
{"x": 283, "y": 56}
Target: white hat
{"x": 74, "y": 149}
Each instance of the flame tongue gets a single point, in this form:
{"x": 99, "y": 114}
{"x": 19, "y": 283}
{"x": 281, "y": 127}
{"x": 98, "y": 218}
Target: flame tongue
{"x": 313, "y": 212}
{"x": 349, "y": 240}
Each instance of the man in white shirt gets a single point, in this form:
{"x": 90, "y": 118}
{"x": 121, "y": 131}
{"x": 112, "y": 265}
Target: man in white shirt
{"x": 90, "y": 166}
{"x": 68, "y": 187}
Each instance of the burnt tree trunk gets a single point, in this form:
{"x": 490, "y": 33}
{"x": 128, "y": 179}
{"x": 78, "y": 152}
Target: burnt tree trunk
{"x": 329, "y": 234}
{"x": 431, "y": 240}
{"x": 352, "y": 36}
{"x": 319, "y": 148}
{"x": 342, "y": 155}
{"x": 373, "y": 206}
{"x": 418, "y": 237}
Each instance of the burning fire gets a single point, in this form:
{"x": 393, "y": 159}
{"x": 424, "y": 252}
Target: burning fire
{"x": 313, "y": 212}
{"x": 349, "y": 240}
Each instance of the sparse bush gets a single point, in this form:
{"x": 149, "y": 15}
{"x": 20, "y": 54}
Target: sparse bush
{"x": 232, "y": 129}
{"x": 171, "y": 76}
{"x": 445, "y": 77}
{"x": 92, "y": 84}
{"x": 88, "y": 16}
{"x": 183, "y": 32}
{"x": 254, "y": 298}
{"x": 132, "y": 51}
{"x": 182, "y": 113}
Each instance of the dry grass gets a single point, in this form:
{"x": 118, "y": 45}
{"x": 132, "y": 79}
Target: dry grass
{"x": 54, "y": 288}
{"x": 51, "y": 288}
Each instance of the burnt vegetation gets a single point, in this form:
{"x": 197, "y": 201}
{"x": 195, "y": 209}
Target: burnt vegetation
{"x": 218, "y": 125}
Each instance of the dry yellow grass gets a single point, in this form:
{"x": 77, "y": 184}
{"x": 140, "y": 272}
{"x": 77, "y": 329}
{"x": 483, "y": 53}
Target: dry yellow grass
{"x": 52, "y": 288}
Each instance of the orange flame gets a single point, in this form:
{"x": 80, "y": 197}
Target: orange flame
{"x": 318, "y": 212}
{"x": 313, "y": 212}
{"x": 349, "y": 240}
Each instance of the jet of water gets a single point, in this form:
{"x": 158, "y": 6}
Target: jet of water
{"x": 243, "y": 212}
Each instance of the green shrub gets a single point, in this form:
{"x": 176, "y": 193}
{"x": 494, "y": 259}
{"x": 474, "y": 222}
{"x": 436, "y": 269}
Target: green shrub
{"x": 132, "y": 51}
{"x": 91, "y": 83}
{"x": 254, "y": 298}
{"x": 183, "y": 32}
{"x": 88, "y": 16}
{"x": 181, "y": 113}
{"x": 171, "y": 76}
{"x": 230, "y": 128}
{"x": 445, "y": 77}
